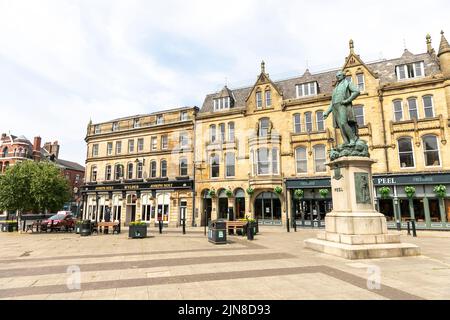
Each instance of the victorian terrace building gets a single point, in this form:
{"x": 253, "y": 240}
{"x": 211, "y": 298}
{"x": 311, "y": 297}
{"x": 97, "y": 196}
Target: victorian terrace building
{"x": 141, "y": 168}
{"x": 261, "y": 150}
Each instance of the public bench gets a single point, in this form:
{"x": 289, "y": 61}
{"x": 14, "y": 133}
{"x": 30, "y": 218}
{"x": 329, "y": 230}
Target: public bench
{"x": 115, "y": 226}
{"x": 235, "y": 225}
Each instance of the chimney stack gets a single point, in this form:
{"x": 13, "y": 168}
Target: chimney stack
{"x": 37, "y": 148}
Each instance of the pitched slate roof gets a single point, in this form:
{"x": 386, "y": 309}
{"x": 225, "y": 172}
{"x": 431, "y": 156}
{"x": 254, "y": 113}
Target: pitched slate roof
{"x": 384, "y": 70}
{"x": 70, "y": 165}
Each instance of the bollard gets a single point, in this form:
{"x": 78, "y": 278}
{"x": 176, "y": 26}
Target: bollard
{"x": 160, "y": 225}
{"x": 184, "y": 226}
{"x": 295, "y": 226}
{"x": 249, "y": 232}
{"x": 399, "y": 225}
{"x": 287, "y": 225}
{"x": 409, "y": 229}
{"x": 413, "y": 222}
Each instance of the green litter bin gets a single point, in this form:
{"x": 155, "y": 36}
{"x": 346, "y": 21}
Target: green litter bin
{"x": 217, "y": 231}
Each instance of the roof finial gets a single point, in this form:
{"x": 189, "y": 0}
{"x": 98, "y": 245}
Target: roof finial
{"x": 442, "y": 32}
{"x": 352, "y": 47}
{"x": 444, "y": 46}
{"x": 263, "y": 67}
{"x": 429, "y": 47}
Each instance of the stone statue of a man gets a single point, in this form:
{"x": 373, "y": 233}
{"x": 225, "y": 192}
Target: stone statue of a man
{"x": 341, "y": 106}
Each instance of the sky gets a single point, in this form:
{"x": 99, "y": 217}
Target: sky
{"x": 64, "y": 62}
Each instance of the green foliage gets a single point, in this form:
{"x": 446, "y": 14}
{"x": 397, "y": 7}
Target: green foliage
{"x": 212, "y": 193}
{"x": 229, "y": 193}
{"x": 385, "y": 192}
{"x": 440, "y": 190}
{"x": 137, "y": 223}
{"x": 299, "y": 193}
{"x": 250, "y": 191}
{"x": 324, "y": 192}
{"x": 278, "y": 190}
{"x": 32, "y": 186}
{"x": 410, "y": 191}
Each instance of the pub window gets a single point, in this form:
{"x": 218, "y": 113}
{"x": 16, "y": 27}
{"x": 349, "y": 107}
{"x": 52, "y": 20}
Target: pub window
{"x": 308, "y": 121}
{"x": 258, "y": 99}
{"x": 212, "y": 133}
{"x": 319, "y": 121}
{"x": 153, "y": 169}
{"x": 230, "y": 131}
{"x": 230, "y": 164}
{"x": 108, "y": 173}
{"x": 405, "y": 152}
{"x": 163, "y": 168}
{"x": 360, "y": 81}
{"x": 297, "y": 123}
{"x": 183, "y": 167}
{"x": 359, "y": 115}
{"x": 398, "y": 110}
{"x": 431, "y": 151}
{"x": 215, "y": 166}
{"x": 412, "y": 107}
{"x": 301, "y": 160}
{"x": 130, "y": 171}
{"x": 268, "y": 98}
{"x": 94, "y": 174}
{"x": 428, "y": 108}
{"x": 319, "y": 158}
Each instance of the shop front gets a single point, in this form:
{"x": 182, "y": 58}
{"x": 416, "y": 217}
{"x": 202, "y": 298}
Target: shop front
{"x": 414, "y": 196}
{"x": 167, "y": 201}
{"x": 309, "y": 209}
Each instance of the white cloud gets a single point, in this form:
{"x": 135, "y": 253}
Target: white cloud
{"x": 65, "y": 61}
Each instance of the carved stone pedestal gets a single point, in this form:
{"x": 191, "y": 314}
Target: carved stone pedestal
{"x": 354, "y": 229}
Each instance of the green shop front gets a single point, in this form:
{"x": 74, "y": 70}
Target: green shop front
{"x": 310, "y": 201}
{"x": 422, "y": 197}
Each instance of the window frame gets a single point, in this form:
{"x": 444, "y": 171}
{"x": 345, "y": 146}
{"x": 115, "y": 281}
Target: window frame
{"x": 359, "y": 116}
{"x": 95, "y": 149}
{"x": 153, "y": 168}
{"x": 361, "y": 84}
{"x": 216, "y": 165}
{"x": 316, "y": 159}
{"x": 183, "y": 165}
{"x": 310, "y": 122}
{"x": 258, "y": 99}
{"x": 416, "y": 108}
{"x": 307, "y": 85}
{"x": 163, "y": 168}
{"x": 404, "y": 152}
{"x": 297, "y": 160}
{"x": 268, "y": 98}
{"x": 321, "y": 121}
{"x": 154, "y": 143}
{"x": 299, "y": 123}
{"x": 131, "y": 146}
{"x": 228, "y": 165}
{"x": 438, "y": 150}
{"x": 401, "y": 110}
{"x": 118, "y": 148}
{"x": 431, "y": 107}
{"x": 164, "y": 142}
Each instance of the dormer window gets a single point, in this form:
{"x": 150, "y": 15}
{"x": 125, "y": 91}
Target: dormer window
{"x": 360, "y": 81}
{"x": 115, "y": 126}
{"x": 159, "y": 119}
{"x": 97, "y": 129}
{"x": 136, "y": 123}
{"x": 410, "y": 70}
{"x": 183, "y": 116}
{"x": 306, "y": 89}
{"x": 222, "y": 103}
{"x": 268, "y": 98}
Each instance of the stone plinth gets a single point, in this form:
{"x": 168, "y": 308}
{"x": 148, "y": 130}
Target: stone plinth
{"x": 354, "y": 229}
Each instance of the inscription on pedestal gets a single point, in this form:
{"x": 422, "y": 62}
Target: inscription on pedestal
{"x": 362, "y": 190}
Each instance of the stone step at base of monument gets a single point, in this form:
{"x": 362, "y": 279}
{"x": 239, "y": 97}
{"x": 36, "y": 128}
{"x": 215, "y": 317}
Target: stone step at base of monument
{"x": 359, "y": 238}
{"x": 363, "y": 251}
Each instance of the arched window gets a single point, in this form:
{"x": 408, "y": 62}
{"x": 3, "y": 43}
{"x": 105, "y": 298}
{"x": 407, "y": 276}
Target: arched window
{"x": 412, "y": 107}
{"x": 268, "y": 95}
{"x": 428, "y": 107}
{"x": 108, "y": 173}
{"x": 230, "y": 131}
{"x": 319, "y": 158}
{"x": 431, "y": 150}
{"x": 212, "y": 133}
{"x": 163, "y": 168}
{"x": 297, "y": 123}
{"x": 130, "y": 171}
{"x": 215, "y": 166}
{"x": 5, "y": 152}
{"x": 153, "y": 169}
{"x": 405, "y": 152}
{"x": 301, "y": 160}
{"x": 183, "y": 167}
{"x": 319, "y": 121}
{"x": 308, "y": 121}
{"x": 118, "y": 171}
{"x": 139, "y": 170}
{"x": 93, "y": 174}
{"x": 264, "y": 124}
{"x": 398, "y": 110}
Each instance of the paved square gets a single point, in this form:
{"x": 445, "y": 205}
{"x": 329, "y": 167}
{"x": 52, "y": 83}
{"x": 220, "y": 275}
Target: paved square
{"x": 175, "y": 266}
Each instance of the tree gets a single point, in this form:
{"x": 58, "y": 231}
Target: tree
{"x": 32, "y": 186}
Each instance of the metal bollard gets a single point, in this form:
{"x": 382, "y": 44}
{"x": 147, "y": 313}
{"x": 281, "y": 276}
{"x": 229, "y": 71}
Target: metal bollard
{"x": 413, "y": 222}
{"x": 409, "y": 229}
{"x": 287, "y": 225}
{"x": 160, "y": 225}
{"x": 399, "y": 225}
{"x": 249, "y": 232}
{"x": 295, "y": 226}
{"x": 184, "y": 226}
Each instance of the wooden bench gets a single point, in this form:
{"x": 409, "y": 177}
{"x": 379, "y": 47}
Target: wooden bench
{"x": 115, "y": 226}
{"x": 234, "y": 225}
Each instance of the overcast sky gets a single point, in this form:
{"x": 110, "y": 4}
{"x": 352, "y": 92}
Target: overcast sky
{"x": 63, "y": 62}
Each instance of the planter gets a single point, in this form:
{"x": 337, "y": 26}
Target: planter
{"x": 86, "y": 228}
{"x": 9, "y": 227}
{"x": 137, "y": 231}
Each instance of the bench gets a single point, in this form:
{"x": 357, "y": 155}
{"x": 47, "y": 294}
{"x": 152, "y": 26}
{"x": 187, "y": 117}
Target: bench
{"x": 115, "y": 226}
{"x": 234, "y": 225}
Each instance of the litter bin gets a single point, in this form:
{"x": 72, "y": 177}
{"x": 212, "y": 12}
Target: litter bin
{"x": 86, "y": 228}
{"x": 217, "y": 231}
